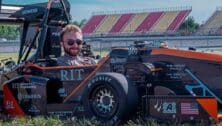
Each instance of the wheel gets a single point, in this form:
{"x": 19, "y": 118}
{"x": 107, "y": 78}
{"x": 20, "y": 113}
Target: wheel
{"x": 110, "y": 97}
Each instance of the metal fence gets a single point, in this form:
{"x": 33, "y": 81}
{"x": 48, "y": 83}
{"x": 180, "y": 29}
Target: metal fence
{"x": 106, "y": 43}
{"x": 9, "y": 46}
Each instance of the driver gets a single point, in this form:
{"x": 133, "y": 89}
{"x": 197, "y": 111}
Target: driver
{"x": 72, "y": 43}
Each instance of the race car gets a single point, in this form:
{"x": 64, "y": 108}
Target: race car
{"x": 143, "y": 78}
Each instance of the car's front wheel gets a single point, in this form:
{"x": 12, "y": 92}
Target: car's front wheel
{"x": 110, "y": 97}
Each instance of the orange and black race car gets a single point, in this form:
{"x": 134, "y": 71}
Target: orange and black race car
{"x": 157, "y": 82}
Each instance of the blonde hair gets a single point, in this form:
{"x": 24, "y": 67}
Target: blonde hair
{"x": 70, "y": 28}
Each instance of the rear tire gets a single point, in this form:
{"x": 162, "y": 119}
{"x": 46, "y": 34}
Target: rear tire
{"x": 110, "y": 97}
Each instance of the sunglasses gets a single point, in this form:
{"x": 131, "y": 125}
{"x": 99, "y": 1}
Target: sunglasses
{"x": 77, "y": 41}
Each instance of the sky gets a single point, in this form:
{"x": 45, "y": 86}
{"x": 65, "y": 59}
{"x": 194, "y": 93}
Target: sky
{"x": 83, "y": 9}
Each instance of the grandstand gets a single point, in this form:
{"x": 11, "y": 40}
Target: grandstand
{"x": 213, "y": 25}
{"x": 152, "y": 22}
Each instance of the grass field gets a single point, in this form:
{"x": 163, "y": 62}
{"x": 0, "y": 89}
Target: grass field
{"x": 14, "y": 56}
{"x": 51, "y": 121}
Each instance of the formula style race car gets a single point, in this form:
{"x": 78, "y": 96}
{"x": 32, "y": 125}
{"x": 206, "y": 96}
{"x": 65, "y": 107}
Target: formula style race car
{"x": 164, "y": 83}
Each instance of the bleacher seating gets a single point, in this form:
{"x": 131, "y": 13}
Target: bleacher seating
{"x": 121, "y": 22}
{"x": 213, "y": 25}
{"x": 178, "y": 20}
{"x": 108, "y": 23}
{"x": 157, "y": 22}
{"x": 149, "y": 21}
{"x": 93, "y": 23}
{"x": 164, "y": 22}
{"x": 134, "y": 22}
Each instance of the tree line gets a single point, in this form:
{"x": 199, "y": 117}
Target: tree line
{"x": 12, "y": 32}
{"x": 188, "y": 27}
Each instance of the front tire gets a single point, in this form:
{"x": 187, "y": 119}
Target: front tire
{"x": 110, "y": 97}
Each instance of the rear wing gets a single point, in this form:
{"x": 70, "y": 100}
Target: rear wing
{"x": 9, "y": 9}
{"x": 32, "y": 13}
{"x": 42, "y": 19}
{"x": 5, "y": 12}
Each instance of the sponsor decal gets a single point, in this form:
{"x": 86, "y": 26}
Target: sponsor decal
{"x": 165, "y": 107}
{"x": 61, "y": 113}
{"x": 30, "y": 11}
{"x": 188, "y": 108}
{"x": 118, "y": 68}
{"x": 62, "y": 92}
{"x": 175, "y": 75}
{"x": 71, "y": 74}
{"x": 33, "y": 109}
{"x": 176, "y": 71}
{"x": 132, "y": 50}
{"x": 78, "y": 108}
{"x": 117, "y": 60}
{"x": 56, "y": 34}
{"x": 169, "y": 107}
{"x": 24, "y": 85}
{"x": 99, "y": 78}
{"x": 9, "y": 105}
{"x": 32, "y": 96}
{"x": 178, "y": 67}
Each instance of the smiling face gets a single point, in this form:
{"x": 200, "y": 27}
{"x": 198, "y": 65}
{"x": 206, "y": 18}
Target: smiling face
{"x": 72, "y": 43}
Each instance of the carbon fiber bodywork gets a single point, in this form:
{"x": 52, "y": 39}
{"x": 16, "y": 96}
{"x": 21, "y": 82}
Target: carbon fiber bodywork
{"x": 41, "y": 90}
{"x": 135, "y": 77}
